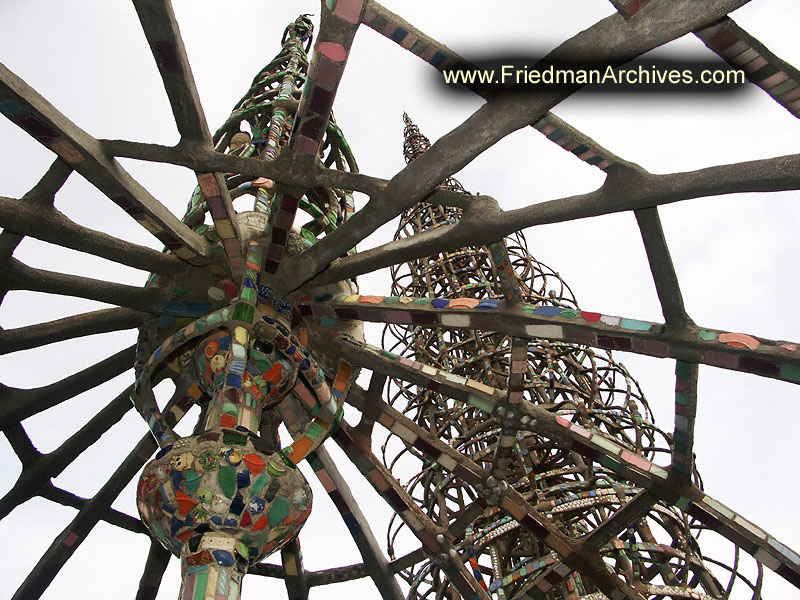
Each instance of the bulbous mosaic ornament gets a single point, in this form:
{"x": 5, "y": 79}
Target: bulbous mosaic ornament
{"x": 225, "y": 498}
{"x": 220, "y": 485}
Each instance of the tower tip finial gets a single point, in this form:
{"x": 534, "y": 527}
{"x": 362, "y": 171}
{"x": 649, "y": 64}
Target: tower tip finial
{"x": 414, "y": 143}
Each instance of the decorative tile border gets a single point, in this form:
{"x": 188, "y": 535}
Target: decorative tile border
{"x": 572, "y": 141}
{"x": 685, "y": 410}
{"x": 431, "y": 536}
{"x": 340, "y": 21}
{"x": 768, "y": 358}
{"x": 596, "y": 446}
{"x": 750, "y": 538}
{"x": 382, "y": 21}
{"x": 33, "y": 114}
{"x": 763, "y": 68}
{"x": 215, "y": 193}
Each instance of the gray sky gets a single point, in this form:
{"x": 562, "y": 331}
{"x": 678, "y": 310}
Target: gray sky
{"x": 734, "y": 255}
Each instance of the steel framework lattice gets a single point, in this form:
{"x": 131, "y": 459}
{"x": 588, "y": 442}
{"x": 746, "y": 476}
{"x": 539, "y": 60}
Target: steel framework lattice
{"x": 518, "y": 457}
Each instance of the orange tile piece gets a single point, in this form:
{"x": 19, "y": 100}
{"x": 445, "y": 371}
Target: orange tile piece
{"x": 227, "y": 421}
{"x": 739, "y": 340}
{"x": 302, "y": 336}
{"x": 342, "y": 376}
{"x": 185, "y": 503}
{"x": 263, "y": 182}
{"x": 464, "y": 303}
{"x": 254, "y": 463}
{"x": 260, "y": 524}
{"x": 299, "y": 449}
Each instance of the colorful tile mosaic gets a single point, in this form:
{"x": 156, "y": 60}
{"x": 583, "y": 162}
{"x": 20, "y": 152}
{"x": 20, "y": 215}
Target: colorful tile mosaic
{"x": 226, "y": 488}
{"x": 537, "y": 451}
{"x": 23, "y": 106}
{"x": 685, "y": 409}
{"x": 215, "y": 194}
{"x": 312, "y": 119}
{"x": 762, "y": 67}
{"x": 721, "y": 349}
{"x": 432, "y": 537}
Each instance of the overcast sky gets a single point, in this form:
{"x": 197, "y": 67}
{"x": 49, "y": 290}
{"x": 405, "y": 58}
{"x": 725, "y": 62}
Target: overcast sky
{"x": 735, "y": 255}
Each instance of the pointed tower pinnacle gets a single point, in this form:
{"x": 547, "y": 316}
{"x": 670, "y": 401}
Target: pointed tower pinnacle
{"x": 415, "y": 144}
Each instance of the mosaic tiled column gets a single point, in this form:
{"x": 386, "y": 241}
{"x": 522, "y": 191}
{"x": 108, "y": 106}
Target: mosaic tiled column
{"x": 229, "y": 495}
{"x": 223, "y": 499}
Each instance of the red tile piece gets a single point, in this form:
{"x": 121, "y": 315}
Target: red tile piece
{"x": 332, "y": 50}
{"x": 246, "y": 520}
{"x": 254, "y": 463}
{"x": 185, "y": 503}
{"x": 349, "y": 10}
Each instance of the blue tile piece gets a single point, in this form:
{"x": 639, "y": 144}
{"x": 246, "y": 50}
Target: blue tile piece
{"x": 399, "y": 34}
{"x": 237, "y": 505}
{"x": 223, "y": 558}
{"x": 256, "y": 505}
{"x": 352, "y": 524}
{"x": 175, "y": 525}
{"x": 437, "y": 59}
{"x": 10, "y": 108}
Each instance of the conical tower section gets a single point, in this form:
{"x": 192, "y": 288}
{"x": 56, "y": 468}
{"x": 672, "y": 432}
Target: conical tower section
{"x": 656, "y": 553}
{"x": 260, "y": 125}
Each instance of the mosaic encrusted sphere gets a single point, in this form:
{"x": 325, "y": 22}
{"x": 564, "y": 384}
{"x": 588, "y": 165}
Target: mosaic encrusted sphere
{"x": 219, "y": 482}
